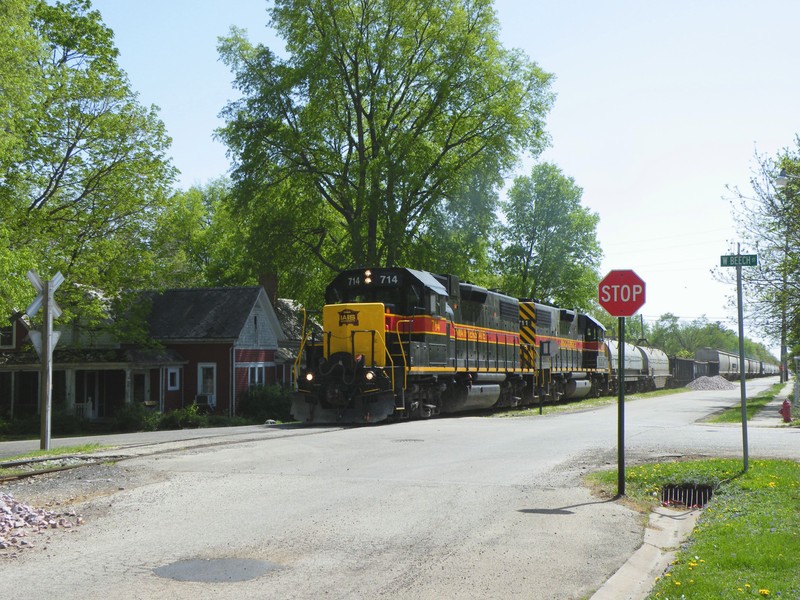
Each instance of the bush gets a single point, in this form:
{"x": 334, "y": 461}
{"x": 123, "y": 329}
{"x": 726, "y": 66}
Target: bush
{"x": 136, "y": 417}
{"x": 64, "y": 422}
{"x": 187, "y": 417}
{"x": 27, "y": 425}
{"x": 267, "y": 402}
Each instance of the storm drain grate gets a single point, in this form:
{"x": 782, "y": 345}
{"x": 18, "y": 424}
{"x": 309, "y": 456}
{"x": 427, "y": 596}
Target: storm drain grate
{"x": 690, "y": 495}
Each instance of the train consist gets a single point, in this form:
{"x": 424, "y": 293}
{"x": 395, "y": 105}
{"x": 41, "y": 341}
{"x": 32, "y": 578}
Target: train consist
{"x": 400, "y": 343}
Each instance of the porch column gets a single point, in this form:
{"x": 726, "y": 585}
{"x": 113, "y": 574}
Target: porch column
{"x": 13, "y": 392}
{"x": 69, "y": 388}
{"x": 128, "y": 386}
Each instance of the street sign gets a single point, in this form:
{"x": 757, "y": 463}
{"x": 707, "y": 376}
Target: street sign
{"x": 621, "y": 293}
{"x": 738, "y": 260}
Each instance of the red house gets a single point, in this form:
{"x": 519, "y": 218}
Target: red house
{"x": 228, "y": 337}
{"x": 211, "y": 345}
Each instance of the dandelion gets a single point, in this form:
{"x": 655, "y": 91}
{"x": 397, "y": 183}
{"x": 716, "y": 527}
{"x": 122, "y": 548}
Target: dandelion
{"x": 763, "y": 592}
{"x": 772, "y": 484}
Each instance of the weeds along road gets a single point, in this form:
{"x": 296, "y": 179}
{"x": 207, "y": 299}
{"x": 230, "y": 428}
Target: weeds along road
{"x": 468, "y": 507}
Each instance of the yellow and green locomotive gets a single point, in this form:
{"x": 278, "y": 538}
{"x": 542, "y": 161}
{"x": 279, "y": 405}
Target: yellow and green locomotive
{"x": 401, "y": 343}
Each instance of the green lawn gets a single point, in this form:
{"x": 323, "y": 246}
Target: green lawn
{"x": 747, "y": 541}
{"x": 755, "y": 404}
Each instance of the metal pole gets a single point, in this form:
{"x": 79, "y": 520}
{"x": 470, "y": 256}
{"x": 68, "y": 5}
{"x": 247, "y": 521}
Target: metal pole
{"x": 742, "y": 365}
{"x": 621, "y": 410}
{"x": 47, "y": 367}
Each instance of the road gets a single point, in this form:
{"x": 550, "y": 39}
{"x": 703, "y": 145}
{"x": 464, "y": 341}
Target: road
{"x": 468, "y": 507}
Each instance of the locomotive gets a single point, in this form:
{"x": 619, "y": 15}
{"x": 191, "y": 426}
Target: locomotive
{"x": 400, "y": 343}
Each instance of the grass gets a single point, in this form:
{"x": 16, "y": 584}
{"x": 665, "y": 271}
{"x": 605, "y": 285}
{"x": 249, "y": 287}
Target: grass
{"x": 583, "y": 403}
{"x": 747, "y": 541}
{"x": 81, "y": 449}
{"x": 755, "y": 404}
{"x": 43, "y": 454}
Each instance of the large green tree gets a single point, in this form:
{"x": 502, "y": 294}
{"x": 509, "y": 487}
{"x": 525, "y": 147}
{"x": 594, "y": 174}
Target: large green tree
{"x": 549, "y": 249}
{"x": 20, "y": 53}
{"x": 80, "y": 195}
{"x": 352, "y": 145}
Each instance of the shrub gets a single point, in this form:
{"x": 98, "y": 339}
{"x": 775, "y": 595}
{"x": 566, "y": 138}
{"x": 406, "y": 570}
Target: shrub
{"x": 267, "y": 402}
{"x": 187, "y": 417}
{"x": 136, "y": 417}
{"x": 65, "y": 422}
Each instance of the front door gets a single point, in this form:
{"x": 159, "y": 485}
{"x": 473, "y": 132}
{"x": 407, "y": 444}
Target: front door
{"x": 86, "y": 394}
{"x": 207, "y": 384}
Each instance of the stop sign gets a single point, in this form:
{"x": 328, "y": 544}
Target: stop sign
{"x": 621, "y": 293}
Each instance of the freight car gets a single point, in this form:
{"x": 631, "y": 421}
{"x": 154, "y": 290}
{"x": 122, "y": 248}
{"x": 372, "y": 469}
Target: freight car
{"x": 727, "y": 365}
{"x": 646, "y": 368}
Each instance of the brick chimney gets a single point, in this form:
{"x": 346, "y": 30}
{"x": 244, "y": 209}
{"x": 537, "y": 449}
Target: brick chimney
{"x": 269, "y": 281}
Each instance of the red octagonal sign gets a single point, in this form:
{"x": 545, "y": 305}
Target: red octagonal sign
{"x": 621, "y": 293}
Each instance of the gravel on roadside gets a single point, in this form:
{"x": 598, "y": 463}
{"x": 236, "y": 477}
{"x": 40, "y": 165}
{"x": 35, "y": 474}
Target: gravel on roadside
{"x": 34, "y": 508}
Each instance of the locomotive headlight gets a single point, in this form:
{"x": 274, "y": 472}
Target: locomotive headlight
{"x": 369, "y": 375}
{"x": 309, "y": 377}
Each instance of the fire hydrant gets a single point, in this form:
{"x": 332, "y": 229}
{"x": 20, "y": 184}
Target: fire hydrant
{"x": 786, "y": 411}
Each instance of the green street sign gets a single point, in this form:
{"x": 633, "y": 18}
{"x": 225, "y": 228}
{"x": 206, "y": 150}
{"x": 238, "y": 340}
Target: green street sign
{"x": 739, "y": 260}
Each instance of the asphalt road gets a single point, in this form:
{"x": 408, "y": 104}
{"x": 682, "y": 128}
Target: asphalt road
{"x": 468, "y": 507}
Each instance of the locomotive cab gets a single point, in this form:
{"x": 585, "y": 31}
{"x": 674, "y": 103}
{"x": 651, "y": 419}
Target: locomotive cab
{"x": 376, "y": 326}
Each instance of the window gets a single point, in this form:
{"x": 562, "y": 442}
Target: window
{"x": 256, "y": 375}
{"x": 173, "y": 379}
{"x": 7, "y": 337}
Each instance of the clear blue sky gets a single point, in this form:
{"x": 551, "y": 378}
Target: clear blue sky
{"x": 660, "y": 106}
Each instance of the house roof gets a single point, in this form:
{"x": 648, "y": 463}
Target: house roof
{"x": 291, "y": 315}
{"x": 201, "y": 313}
{"x": 92, "y": 358}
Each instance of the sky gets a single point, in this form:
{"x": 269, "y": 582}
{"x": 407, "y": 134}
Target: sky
{"x": 661, "y": 108}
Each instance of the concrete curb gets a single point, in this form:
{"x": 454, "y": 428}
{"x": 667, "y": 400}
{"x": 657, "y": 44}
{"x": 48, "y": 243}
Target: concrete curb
{"x": 666, "y": 530}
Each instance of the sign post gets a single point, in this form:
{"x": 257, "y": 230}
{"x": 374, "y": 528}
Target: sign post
{"x": 741, "y": 260}
{"x": 621, "y": 293}
{"x": 44, "y": 342}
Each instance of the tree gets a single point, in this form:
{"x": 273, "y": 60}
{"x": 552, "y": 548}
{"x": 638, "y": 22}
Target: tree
{"x": 79, "y": 197}
{"x": 357, "y": 142}
{"x": 768, "y": 227}
{"x": 190, "y": 233}
{"x": 458, "y": 234}
{"x": 683, "y": 339}
{"x": 19, "y": 53}
{"x": 549, "y": 249}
